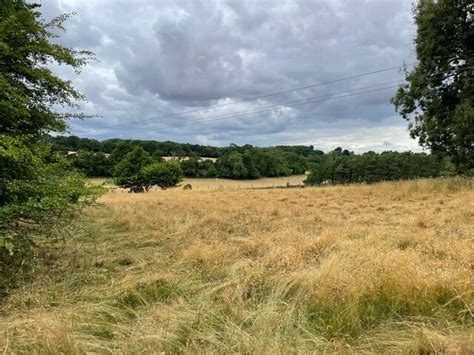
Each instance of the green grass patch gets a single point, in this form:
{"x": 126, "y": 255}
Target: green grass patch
{"x": 146, "y": 293}
{"x": 350, "y": 318}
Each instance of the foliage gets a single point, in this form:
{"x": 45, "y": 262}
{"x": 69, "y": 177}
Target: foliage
{"x": 157, "y": 149}
{"x": 36, "y": 195}
{"x": 129, "y": 171}
{"x": 138, "y": 169}
{"x": 97, "y": 164}
{"x": 438, "y": 100}
{"x": 370, "y": 167}
{"x": 232, "y": 165}
{"x": 248, "y": 162}
{"x": 39, "y": 192}
{"x": 164, "y": 175}
{"x": 28, "y": 88}
{"x": 250, "y": 166}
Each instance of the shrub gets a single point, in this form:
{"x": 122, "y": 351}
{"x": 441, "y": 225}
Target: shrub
{"x": 129, "y": 171}
{"x": 168, "y": 174}
{"x": 36, "y": 196}
{"x": 39, "y": 193}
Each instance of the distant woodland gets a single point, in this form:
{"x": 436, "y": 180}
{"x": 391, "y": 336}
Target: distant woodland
{"x": 100, "y": 158}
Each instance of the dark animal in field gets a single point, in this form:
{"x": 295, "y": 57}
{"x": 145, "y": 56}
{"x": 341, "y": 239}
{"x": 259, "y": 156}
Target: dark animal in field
{"x": 188, "y": 187}
{"x": 138, "y": 189}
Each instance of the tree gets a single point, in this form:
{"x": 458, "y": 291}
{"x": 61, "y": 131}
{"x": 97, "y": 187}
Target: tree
{"x": 38, "y": 190}
{"x": 249, "y": 163}
{"x": 129, "y": 171}
{"x": 297, "y": 164}
{"x": 267, "y": 164}
{"x": 28, "y": 88}
{"x": 158, "y": 155}
{"x": 231, "y": 165}
{"x": 438, "y": 100}
{"x": 165, "y": 175}
{"x": 207, "y": 169}
{"x": 118, "y": 153}
{"x": 92, "y": 164}
{"x": 190, "y": 166}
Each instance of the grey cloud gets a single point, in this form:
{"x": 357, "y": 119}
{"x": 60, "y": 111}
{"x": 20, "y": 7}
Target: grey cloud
{"x": 160, "y": 59}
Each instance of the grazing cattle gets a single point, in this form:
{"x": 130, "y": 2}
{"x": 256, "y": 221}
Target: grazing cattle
{"x": 138, "y": 188}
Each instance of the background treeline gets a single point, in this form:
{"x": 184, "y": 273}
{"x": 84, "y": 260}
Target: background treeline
{"x": 337, "y": 167}
{"x": 100, "y": 159}
{"x": 73, "y": 143}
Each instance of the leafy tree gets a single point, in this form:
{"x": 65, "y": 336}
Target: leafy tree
{"x": 118, "y": 153}
{"x": 38, "y": 195}
{"x": 92, "y": 164}
{"x": 190, "y": 167}
{"x": 231, "y": 166}
{"x": 207, "y": 169}
{"x": 165, "y": 175}
{"x": 129, "y": 171}
{"x": 267, "y": 164}
{"x": 438, "y": 101}
{"x": 38, "y": 190}
{"x": 297, "y": 164}
{"x": 158, "y": 155}
{"x": 28, "y": 88}
{"x": 249, "y": 164}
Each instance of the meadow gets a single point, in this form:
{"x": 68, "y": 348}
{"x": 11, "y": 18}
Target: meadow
{"x": 220, "y": 183}
{"x": 357, "y": 268}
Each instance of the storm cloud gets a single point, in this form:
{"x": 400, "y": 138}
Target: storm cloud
{"x": 185, "y": 70}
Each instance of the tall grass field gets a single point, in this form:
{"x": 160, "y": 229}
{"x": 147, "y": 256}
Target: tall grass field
{"x": 376, "y": 268}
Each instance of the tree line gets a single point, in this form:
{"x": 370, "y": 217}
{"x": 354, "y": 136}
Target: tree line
{"x": 249, "y": 162}
{"x": 370, "y": 167}
{"x": 100, "y": 158}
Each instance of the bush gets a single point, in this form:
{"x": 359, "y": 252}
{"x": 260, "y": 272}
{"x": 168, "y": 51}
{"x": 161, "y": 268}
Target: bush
{"x": 37, "y": 194}
{"x": 129, "y": 171}
{"x": 168, "y": 174}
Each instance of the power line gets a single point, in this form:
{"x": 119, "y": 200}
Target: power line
{"x": 293, "y": 103}
{"x": 262, "y": 96}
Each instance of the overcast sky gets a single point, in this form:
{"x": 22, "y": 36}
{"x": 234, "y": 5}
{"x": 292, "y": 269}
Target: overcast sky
{"x": 157, "y": 59}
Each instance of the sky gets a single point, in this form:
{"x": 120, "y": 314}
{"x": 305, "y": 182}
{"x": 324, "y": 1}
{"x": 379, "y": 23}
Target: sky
{"x": 207, "y": 72}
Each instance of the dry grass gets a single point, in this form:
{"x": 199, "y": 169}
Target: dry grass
{"x": 220, "y": 184}
{"x": 387, "y": 267}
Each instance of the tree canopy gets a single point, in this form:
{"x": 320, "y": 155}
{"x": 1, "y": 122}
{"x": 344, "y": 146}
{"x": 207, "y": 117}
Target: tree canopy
{"x": 138, "y": 171}
{"x": 38, "y": 188}
{"x": 370, "y": 167}
{"x": 129, "y": 171}
{"x": 164, "y": 175}
{"x": 28, "y": 87}
{"x": 438, "y": 100}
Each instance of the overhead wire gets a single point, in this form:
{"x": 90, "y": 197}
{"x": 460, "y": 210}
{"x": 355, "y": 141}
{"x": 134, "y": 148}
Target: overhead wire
{"x": 258, "y": 97}
{"x": 287, "y": 104}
